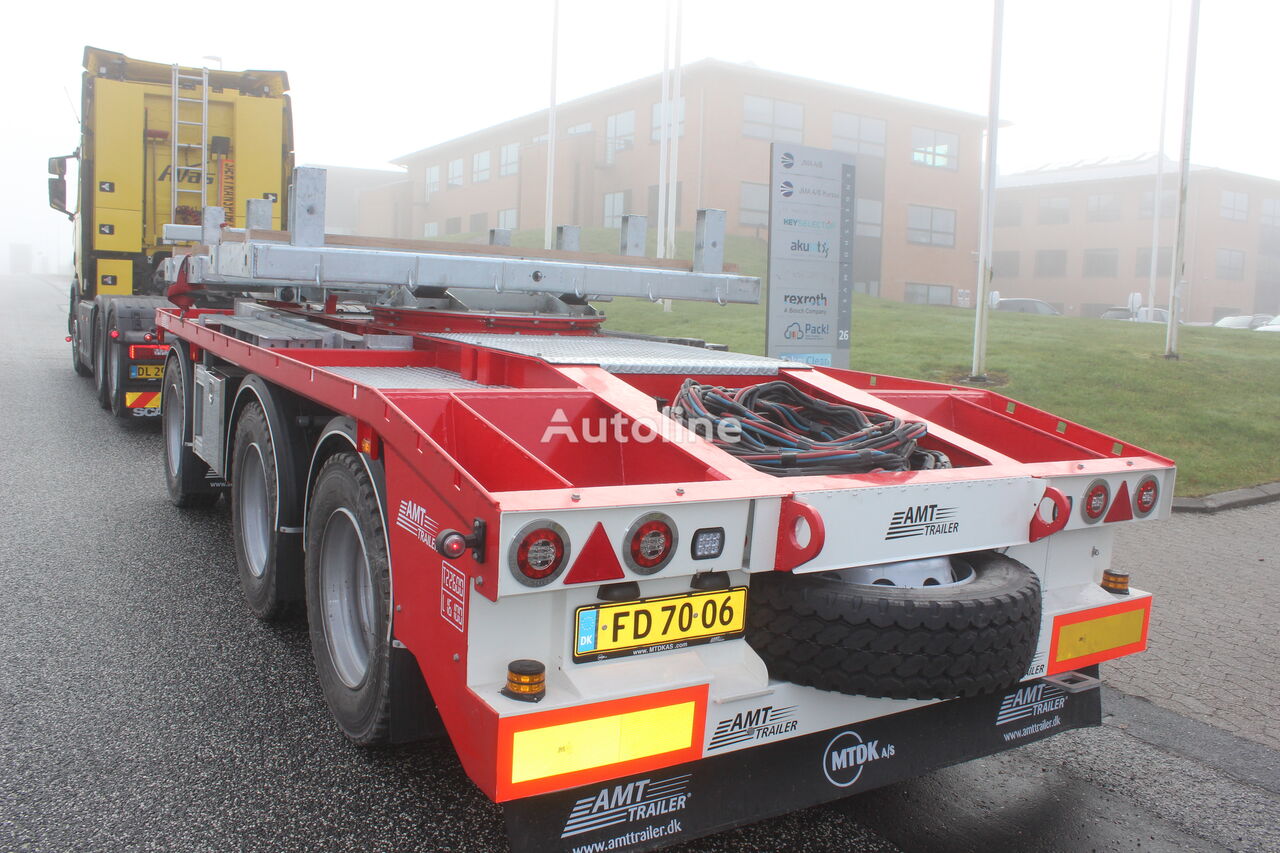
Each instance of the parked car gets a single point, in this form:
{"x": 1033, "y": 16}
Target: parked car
{"x": 1244, "y": 321}
{"x": 1273, "y": 326}
{"x": 1027, "y": 306}
{"x": 1142, "y": 315}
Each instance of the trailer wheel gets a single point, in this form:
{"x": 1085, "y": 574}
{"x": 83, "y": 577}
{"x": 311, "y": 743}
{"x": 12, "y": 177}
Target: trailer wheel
{"x": 185, "y": 474}
{"x": 965, "y": 637}
{"x": 348, "y": 585}
{"x": 270, "y": 569}
{"x": 73, "y": 329}
{"x": 100, "y": 357}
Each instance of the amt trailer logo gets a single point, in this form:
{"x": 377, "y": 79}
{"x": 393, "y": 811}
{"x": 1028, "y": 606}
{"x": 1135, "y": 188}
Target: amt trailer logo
{"x": 643, "y": 799}
{"x": 756, "y": 724}
{"x": 927, "y": 520}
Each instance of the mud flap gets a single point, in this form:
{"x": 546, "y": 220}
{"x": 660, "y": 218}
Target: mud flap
{"x": 675, "y": 804}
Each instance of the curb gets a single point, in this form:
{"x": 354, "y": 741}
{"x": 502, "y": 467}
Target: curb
{"x": 1234, "y": 499}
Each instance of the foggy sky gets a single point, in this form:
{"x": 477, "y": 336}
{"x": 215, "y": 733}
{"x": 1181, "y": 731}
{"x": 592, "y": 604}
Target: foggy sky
{"x": 1081, "y": 79}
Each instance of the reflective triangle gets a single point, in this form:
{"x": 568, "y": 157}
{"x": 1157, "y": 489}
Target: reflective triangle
{"x": 1120, "y": 509}
{"x": 596, "y": 561}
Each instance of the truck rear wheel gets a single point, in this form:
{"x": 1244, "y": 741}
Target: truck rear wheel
{"x": 100, "y": 366}
{"x": 270, "y": 565}
{"x": 73, "y": 329}
{"x": 963, "y": 636}
{"x": 348, "y": 583}
{"x": 185, "y": 474}
{"x": 116, "y": 370}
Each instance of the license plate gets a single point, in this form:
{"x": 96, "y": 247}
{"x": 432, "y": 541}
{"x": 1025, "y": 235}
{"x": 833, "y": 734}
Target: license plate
{"x": 658, "y": 624}
{"x": 146, "y": 371}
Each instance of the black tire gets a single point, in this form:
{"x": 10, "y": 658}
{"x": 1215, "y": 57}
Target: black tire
{"x": 901, "y": 643}
{"x": 185, "y": 474}
{"x": 270, "y": 562}
{"x": 73, "y": 329}
{"x": 116, "y": 378}
{"x": 100, "y": 365}
{"x": 344, "y": 510}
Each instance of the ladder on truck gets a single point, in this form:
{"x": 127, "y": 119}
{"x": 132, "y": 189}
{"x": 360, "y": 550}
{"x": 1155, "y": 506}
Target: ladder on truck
{"x": 176, "y": 186}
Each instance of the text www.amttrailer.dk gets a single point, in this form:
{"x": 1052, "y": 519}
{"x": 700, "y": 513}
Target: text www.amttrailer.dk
{"x": 634, "y": 837}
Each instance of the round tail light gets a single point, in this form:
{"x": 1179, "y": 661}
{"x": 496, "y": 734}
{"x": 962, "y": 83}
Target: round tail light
{"x": 539, "y": 553}
{"x": 1096, "y": 500}
{"x": 1146, "y": 496}
{"x": 650, "y": 543}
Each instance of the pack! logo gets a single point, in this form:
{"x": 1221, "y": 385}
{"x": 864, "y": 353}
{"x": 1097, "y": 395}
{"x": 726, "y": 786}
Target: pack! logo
{"x": 413, "y": 519}
{"x": 1031, "y": 701}
{"x": 848, "y": 754}
{"x": 631, "y": 801}
{"x": 756, "y": 724}
{"x": 927, "y": 520}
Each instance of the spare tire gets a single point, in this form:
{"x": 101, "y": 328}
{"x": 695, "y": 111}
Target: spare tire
{"x": 902, "y": 642}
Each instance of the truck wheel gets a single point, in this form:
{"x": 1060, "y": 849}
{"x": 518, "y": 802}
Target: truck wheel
{"x": 270, "y": 568}
{"x": 185, "y": 474}
{"x": 115, "y": 379}
{"x": 73, "y": 329}
{"x": 965, "y": 635}
{"x": 348, "y": 598}
{"x": 100, "y": 358}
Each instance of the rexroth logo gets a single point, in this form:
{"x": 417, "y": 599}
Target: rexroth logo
{"x": 639, "y": 800}
{"x": 756, "y": 724}
{"x": 1031, "y": 701}
{"x": 927, "y": 520}
{"x": 848, "y": 753}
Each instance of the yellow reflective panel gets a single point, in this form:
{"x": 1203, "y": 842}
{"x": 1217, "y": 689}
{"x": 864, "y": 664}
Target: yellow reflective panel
{"x": 1099, "y": 635}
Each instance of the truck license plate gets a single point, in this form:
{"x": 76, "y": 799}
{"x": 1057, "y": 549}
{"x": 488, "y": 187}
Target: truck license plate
{"x": 658, "y": 624}
{"x": 146, "y": 371}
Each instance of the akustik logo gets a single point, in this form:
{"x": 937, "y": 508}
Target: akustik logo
{"x": 847, "y": 754}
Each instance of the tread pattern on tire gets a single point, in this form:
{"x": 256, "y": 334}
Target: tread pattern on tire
{"x": 188, "y": 489}
{"x": 373, "y": 726}
{"x": 920, "y": 643}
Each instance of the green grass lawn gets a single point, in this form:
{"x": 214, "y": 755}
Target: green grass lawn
{"x": 1215, "y": 411}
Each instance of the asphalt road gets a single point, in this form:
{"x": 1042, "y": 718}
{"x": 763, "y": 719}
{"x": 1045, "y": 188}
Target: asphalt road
{"x": 143, "y": 708}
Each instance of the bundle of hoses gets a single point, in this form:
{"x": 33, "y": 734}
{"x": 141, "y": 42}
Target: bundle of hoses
{"x": 784, "y": 431}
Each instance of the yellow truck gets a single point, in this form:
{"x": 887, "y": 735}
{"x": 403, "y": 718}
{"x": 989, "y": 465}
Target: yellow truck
{"x": 143, "y": 165}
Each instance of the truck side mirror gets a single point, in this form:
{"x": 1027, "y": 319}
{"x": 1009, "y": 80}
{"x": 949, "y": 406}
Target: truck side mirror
{"x": 58, "y": 195}
{"x": 58, "y": 166}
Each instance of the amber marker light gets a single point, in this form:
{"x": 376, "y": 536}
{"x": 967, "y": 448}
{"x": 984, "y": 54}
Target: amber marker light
{"x": 526, "y": 681}
{"x": 1115, "y": 582}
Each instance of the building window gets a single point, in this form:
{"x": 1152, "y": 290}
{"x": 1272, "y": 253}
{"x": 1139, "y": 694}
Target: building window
{"x": 928, "y": 294}
{"x": 479, "y": 223}
{"x": 455, "y": 172}
{"x": 653, "y": 203}
{"x": 509, "y": 159}
{"x": 1269, "y": 230}
{"x": 656, "y": 119}
{"x": 1008, "y": 212}
{"x": 508, "y": 219}
{"x": 480, "y": 167}
{"x": 1235, "y": 206}
{"x": 620, "y": 134}
{"x": 857, "y": 134}
{"x": 539, "y": 139}
{"x": 753, "y": 204}
{"x": 1101, "y": 263}
{"x": 575, "y": 129}
{"x": 615, "y": 206}
{"x": 1103, "y": 207}
{"x": 1168, "y": 204}
{"x": 431, "y": 229}
{"x": 433, "y": 180}
{"x": 868, "y": 217}
{"x": 1231, "y": 264}
{"x": 765, "y": 118}
{"x": 1005, "y": 264}
{"x": 1270, "y": 213}
{"x": 453, "y": 225}
{"x": 931, "y": 226}
{"x": 1054, "y": 210}
{"x": 1164, "y": 261}
{"x": 870, "y": 288}
{"x": 936, "y": 148}
{"x": 1051, "y": 263}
